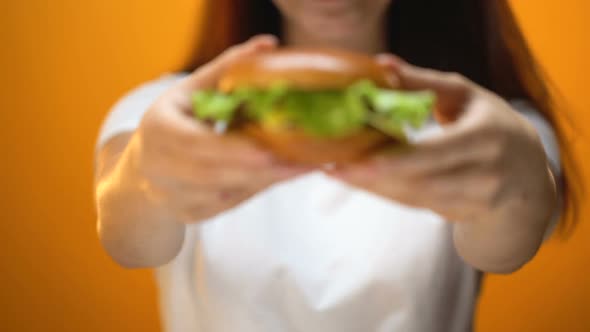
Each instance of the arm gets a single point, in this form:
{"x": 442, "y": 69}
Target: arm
{"x": 166, "y": 170}
{"x": 134, "y": 230}
{"x": 505, "y": 240}
{"x": 486, "y": 172}
{"x": 526, "y": 235}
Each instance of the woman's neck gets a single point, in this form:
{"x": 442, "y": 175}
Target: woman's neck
{"x": 372, "y": 40}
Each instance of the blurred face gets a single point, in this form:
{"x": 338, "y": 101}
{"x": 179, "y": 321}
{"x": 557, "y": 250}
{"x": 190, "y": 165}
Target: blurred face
{"x": 334, "y": 20}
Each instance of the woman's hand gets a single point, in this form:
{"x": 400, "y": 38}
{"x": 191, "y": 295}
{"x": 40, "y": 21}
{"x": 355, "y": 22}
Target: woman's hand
{"x": 486, "y": 170}
{"x": 184, "y": 165}
{"x": 174, "y": 170}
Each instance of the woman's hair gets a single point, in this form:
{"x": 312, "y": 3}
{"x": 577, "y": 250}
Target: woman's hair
{"x": 478, "y": 39}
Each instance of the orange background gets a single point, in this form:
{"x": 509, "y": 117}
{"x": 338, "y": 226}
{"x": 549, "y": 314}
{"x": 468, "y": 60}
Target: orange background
{"x": 63, "y": 63}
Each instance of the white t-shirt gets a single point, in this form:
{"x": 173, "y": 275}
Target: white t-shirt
{"x": 314, "y": 254}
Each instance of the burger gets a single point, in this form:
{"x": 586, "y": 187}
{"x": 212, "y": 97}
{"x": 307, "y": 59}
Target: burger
{"x": 313, "y": 106}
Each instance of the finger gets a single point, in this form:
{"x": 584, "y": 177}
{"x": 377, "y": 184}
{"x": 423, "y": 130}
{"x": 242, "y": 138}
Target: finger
{"x": 199, "y": 207}
{"x": 202, "y": 201}
{"x": 191, "y": 140}
{"x": 455, "y": 195}
{"x": 452, "y": 89}
{"x": 233, "y": 149}
{"x": 207, "y": 76}
{"x": 239, "y": 179}
{"x": 418, "y": 78}
{"x": 448, "y": 150}
{"x": 460, "y": 195}
{"x": 282, "y": 172}
{"x": 227, "y": 176}
{"x": 390, "y": 63}
{"x": 228, "y": 189}
{"x": 422, "y": 160}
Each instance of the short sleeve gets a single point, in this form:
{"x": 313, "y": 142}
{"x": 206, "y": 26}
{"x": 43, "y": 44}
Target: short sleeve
{"x": 127, "y": 112}
{"x": 550, "y": 144}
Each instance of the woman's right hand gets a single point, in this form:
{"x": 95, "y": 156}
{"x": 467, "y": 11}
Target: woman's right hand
{"x": 185, "y": 166}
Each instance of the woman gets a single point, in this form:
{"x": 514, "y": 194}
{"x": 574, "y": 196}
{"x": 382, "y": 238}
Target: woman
{"x": 243, "y": 242}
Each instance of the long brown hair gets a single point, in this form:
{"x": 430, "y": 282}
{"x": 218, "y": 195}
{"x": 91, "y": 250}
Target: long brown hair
{"x": 479, "y": 39}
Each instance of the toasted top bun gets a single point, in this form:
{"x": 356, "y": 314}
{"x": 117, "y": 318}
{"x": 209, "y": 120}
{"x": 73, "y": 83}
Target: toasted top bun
{"x": 304, "y": 69}
{"x": 309, "y": 70}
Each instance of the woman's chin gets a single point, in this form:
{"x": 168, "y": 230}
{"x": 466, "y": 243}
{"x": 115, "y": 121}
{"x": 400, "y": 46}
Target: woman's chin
{"x": 335, "y": 34}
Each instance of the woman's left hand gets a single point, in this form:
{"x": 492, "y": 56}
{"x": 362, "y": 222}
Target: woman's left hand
{"x": 486, "y": 170}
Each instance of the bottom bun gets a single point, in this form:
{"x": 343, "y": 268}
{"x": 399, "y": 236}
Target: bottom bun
{"x": 297, "y": 147}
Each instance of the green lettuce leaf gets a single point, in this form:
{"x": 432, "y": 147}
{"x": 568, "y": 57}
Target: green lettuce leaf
{"x": 211, "y": 105}
{"x": 320, "y": 113}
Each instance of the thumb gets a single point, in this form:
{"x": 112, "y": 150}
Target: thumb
{"x": 207, "y": 76}
{"x": 453, "y": 90}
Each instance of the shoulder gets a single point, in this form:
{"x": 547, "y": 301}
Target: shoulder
{"x": 146, "y": 93}
{"x": 125, "y": 115}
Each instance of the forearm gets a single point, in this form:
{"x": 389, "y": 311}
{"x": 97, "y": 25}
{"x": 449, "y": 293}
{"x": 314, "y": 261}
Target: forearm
{"x": 498, "y": 246}
{"x": 506, "y": 239}
{"x": 133, "y": 230}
